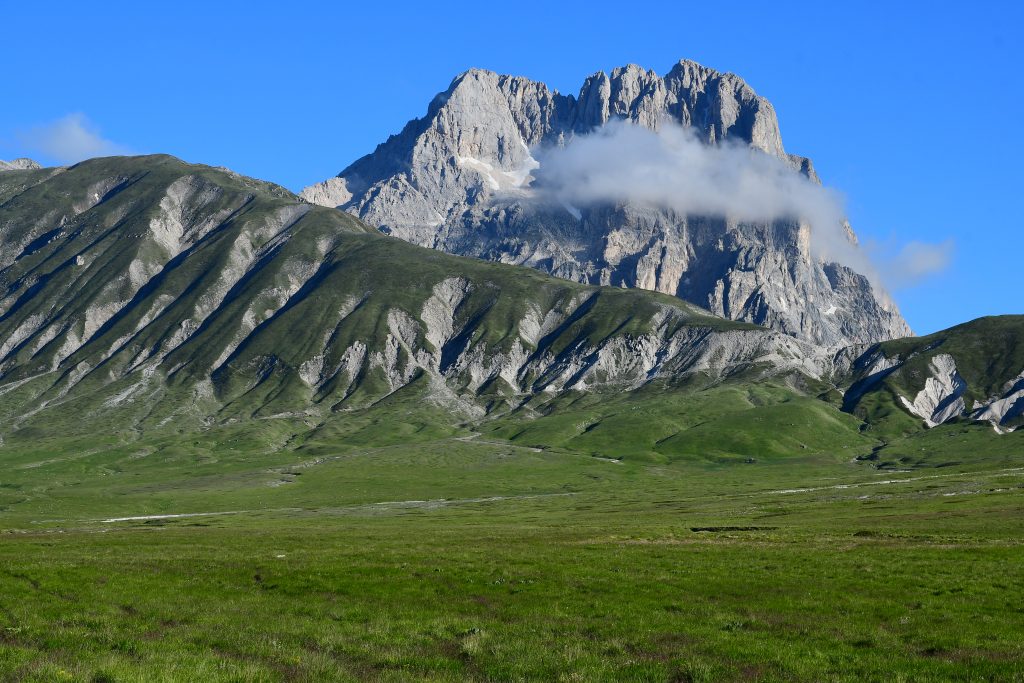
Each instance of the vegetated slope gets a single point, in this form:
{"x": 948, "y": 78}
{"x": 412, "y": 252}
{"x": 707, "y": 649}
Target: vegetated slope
{"x": 153, "y": 291}
{"x": 971, "y": 371}
{"x": 731, "y": 422}
{"x": 943, "y": 398}
{"x": 459, "y": 179}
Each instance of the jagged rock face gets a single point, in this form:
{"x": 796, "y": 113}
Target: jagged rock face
{"x": 147, "y": 274}
{"x": 19, "y": 165}
{"x": 450, "y": 181}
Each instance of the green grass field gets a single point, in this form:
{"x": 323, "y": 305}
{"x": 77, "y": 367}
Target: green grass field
{"x": 435, "y": 554}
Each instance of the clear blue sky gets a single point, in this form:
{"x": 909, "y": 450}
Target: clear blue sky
{"x": 912, "y": 110}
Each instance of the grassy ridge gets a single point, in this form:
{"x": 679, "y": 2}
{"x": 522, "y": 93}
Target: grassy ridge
{"x": 121, "y": 268}
{"x": 988, "y": 352}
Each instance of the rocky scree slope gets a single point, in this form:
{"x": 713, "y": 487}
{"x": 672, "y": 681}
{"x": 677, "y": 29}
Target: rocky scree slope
{"x": 456, "y": 180}
{"x": 171, "y": 288}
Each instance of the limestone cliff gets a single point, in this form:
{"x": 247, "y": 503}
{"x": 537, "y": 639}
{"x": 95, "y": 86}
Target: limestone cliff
{"x": 458, "y": 179}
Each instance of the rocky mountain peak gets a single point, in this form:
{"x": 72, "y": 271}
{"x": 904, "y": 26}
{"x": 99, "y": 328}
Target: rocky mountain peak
{"x": 460, "y": 179}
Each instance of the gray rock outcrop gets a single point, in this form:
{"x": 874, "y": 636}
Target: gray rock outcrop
{"x": 458, "y": 179}
{"x": 22, "y": 164}
{"x": 1004, "y": 407}
{"x": 941, "y": 399}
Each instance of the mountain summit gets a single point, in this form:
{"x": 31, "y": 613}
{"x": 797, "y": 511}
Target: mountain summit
{"x": 459, "y": 180}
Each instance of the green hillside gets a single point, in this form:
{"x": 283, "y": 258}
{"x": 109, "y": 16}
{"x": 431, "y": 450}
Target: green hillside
{"x": 988, "y": 355}
{"x": 126, "y": 268}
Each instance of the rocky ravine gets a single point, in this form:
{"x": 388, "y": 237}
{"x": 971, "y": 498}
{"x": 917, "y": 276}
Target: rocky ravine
{"x": 450, "y": 181}
{"x": 124, "y": 279}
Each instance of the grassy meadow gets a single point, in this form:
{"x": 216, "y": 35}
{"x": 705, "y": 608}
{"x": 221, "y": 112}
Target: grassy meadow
{"x": 265, "y": 551}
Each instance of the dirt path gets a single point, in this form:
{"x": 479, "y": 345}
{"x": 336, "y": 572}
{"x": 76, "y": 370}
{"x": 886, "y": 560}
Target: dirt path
{"x": 995, "y": 473}
{"x": 473, "y": 438}
{"x": 426, "y": 504}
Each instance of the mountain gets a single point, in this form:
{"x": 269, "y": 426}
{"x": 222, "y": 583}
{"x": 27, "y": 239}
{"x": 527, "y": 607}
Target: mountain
{"x": 19, "y": 165}
{"x": 143, "y": 293}
{"x": 459, "y": 180}
{"x": 169, "y": 291}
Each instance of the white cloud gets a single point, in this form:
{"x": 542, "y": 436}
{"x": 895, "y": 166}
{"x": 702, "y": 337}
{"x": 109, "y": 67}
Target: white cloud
{"x": 915, "y": 261}
{"x": 69, "y": 139}
{"x": 671, "y": 168}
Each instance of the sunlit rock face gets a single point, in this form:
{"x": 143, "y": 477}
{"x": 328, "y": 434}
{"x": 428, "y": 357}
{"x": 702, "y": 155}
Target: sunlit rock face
{"x": 19, "y": 165}
{"x": 461, "y": 179}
